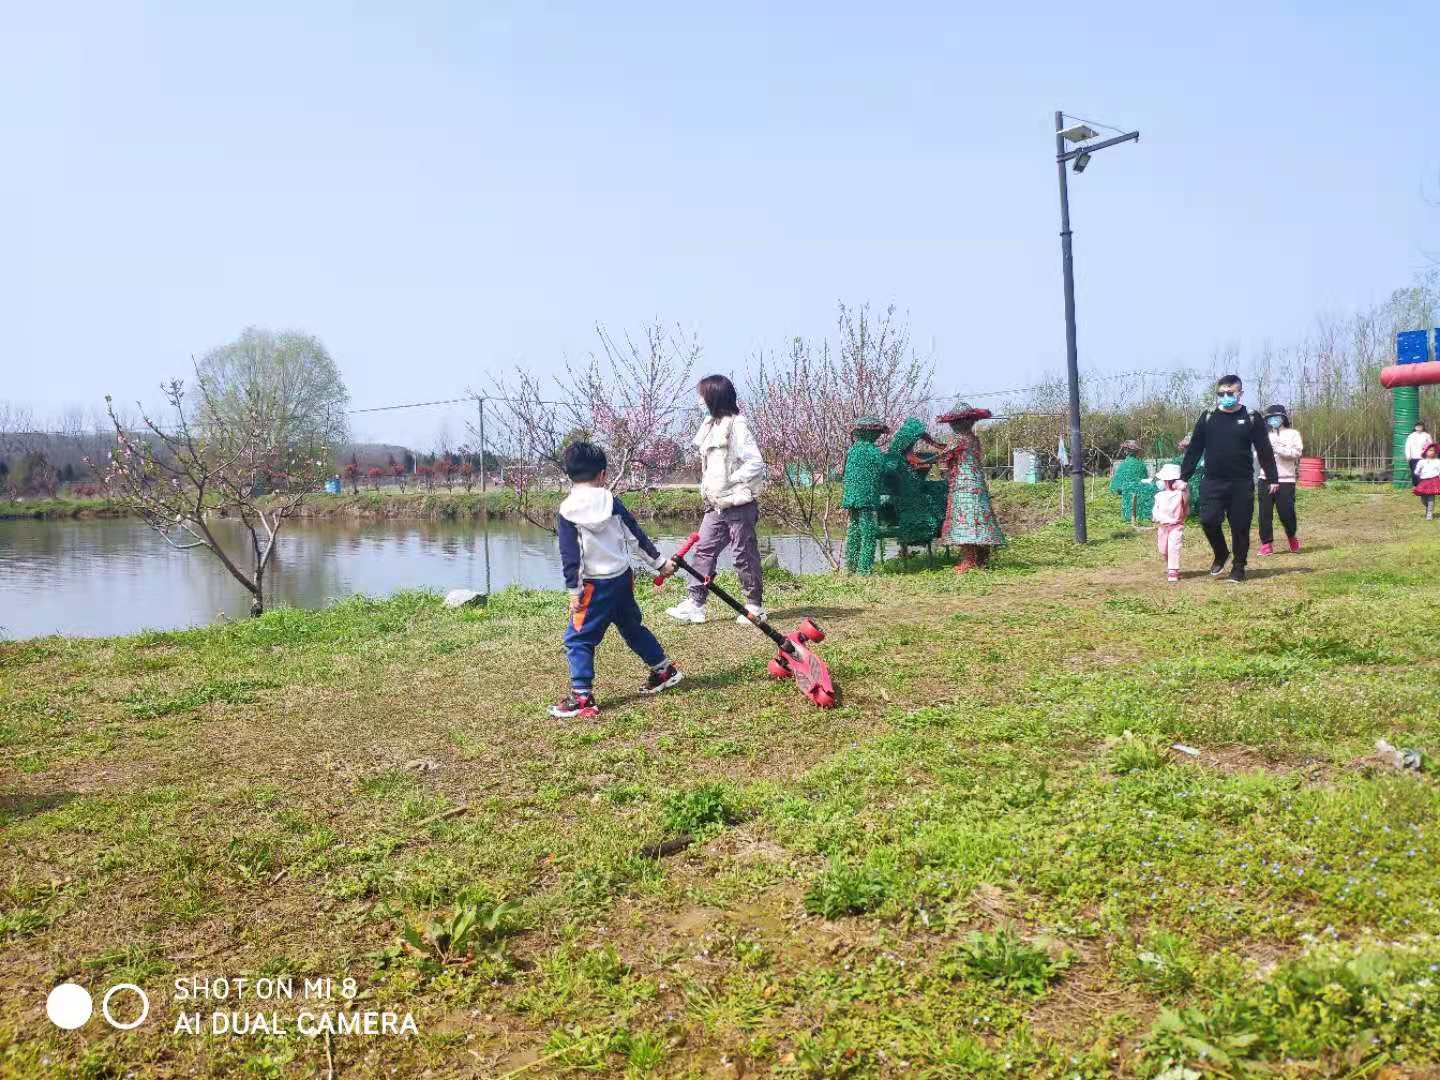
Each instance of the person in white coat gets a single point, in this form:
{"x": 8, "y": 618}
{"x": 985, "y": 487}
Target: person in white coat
{"x": 1285, "y": 441}
{"x": 731, "y": 475}
{"x": 1415, "y": 444}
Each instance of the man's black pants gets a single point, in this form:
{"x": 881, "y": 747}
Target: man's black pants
{"x": 1232, "y": 500}
{"x": 1282, "y": 501}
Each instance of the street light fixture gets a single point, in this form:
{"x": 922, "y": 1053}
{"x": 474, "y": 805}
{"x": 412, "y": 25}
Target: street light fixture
{"x": 1078, "y": 133}
{"x": 1081, "y": 134}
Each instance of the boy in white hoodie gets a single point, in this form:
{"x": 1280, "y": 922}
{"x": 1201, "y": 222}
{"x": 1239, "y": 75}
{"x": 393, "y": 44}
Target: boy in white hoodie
{"x": 595, "y": 530}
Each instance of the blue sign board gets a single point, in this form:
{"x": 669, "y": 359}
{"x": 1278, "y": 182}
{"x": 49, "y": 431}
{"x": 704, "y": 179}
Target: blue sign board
{"x": 1412, "y": 347}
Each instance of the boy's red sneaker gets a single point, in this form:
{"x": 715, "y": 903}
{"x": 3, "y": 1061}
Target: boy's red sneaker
{"x": 661, "y": 679}
{"x": 1295, "y": 543}
{"x": 1267, "y": 549}
{"x": 582, "y": 705}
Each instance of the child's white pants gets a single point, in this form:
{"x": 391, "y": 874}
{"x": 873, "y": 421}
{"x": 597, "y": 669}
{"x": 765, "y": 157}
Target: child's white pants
{"x": 1167, "y": 539}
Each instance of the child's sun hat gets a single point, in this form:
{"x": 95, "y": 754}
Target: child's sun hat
{"x": 1169, "y": 471}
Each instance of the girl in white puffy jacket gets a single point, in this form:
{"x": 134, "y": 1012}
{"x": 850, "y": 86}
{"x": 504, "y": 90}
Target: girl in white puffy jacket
{"x": 1287, "y": 445}
{"x": 731, "y": 475}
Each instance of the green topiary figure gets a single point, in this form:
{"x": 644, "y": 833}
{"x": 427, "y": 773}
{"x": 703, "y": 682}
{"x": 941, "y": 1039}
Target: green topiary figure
{"x": 914, "y": 506}
{"x": 1131, "y": 481}
{"x": 864, "y": 485}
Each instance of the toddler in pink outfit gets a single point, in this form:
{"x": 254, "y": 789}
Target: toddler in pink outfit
{"x": 1172, "y": 507}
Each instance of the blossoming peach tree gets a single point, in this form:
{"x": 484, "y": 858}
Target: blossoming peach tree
{"x": 634, "y": 396}
{"x": 802, "y": 406}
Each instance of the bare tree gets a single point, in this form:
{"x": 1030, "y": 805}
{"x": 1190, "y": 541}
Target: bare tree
{"x": 179, "y": 480}
{"x": 17, "y": 428}
{"x": 802, "y": 407}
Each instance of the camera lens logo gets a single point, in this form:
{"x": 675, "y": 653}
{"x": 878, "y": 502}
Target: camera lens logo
{"x": 70, "y": 1006}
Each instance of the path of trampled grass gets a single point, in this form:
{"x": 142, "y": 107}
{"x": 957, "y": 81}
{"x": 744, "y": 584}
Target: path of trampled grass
{"x": 989, "y": 859}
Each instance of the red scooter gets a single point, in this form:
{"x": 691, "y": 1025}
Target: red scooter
{"x": 794, "y": 658}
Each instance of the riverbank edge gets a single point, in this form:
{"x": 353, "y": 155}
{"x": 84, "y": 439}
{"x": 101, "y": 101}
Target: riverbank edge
{"x": 381, "y": 506}
{"x": 1020, "y": 506}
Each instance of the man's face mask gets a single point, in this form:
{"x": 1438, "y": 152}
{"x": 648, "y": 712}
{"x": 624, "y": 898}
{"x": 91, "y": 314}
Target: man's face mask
{"x": 1227, "y": 399}
{"x": 1273, "y": 421}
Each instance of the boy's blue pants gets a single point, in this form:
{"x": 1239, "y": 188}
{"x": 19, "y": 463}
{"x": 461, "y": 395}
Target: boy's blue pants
{"x": 602, "y": 602}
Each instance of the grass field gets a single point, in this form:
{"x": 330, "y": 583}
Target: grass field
{"x": 990, "y": 861}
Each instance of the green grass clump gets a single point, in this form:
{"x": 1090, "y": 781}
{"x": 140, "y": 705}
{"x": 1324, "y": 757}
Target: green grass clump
{"x": 1134, "y": 754}
{"x": 848, "y": 889}
{"x": 1002, "y": 958}
{"x": 700, "y": 809}
{"x": 1369, "y": 1002}
{"x": 473, "y": 926}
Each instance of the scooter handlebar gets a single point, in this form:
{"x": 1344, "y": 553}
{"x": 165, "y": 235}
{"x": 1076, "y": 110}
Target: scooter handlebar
{"x": 690, "y": 542}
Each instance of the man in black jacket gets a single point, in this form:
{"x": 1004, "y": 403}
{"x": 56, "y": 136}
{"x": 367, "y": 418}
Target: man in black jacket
{"x": 1226, "y": 436}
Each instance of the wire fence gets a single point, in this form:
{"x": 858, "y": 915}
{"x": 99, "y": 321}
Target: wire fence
{"x": 1347, "y": 421}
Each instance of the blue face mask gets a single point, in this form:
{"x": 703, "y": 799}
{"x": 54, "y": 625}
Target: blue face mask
{"x": 1273, "y": 421}
{"x": 1227, "y": 401}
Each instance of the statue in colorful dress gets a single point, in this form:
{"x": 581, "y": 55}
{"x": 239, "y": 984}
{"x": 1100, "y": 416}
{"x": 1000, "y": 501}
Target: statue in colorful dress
{"x": 1131, "y": 481}
{"x": 865, "y": 466}
{"x": 970, "y": 521}
{"x": 914, "y": 506}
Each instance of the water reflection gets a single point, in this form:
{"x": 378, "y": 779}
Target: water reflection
{"x": 90, "y": 578}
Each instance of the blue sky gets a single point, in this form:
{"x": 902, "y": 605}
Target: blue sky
{"x": 440, "y": 189}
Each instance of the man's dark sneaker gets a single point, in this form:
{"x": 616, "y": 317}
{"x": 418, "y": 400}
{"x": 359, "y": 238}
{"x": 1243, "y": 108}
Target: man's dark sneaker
{"x": 1237, "y": 576}
{"x": 662, "y": 679}
{"x": 1218, "y": 567}
{"x": 582, "y": 705}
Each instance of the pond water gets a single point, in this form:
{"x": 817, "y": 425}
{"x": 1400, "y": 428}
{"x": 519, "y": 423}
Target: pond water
{"x": 115, "y": 576}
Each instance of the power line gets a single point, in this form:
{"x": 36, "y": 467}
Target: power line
{"x": 412, "y": 405}
{"x": 455, "y": 401}
{"x": 1183, "y": 373}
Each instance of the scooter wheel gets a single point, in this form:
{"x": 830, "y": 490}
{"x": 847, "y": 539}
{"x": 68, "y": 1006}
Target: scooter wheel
{"x": 823, "y": 698}
{"x": 809, "y": 630}
{"x": 778, "y": 669}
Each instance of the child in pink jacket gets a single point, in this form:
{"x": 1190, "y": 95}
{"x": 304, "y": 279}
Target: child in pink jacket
{"x": 1172, "y": 507}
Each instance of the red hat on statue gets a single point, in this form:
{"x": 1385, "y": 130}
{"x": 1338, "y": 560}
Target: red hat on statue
{"x": 964, "y": 411}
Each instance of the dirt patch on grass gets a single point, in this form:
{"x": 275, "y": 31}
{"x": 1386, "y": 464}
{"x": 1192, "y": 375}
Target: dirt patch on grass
{"x": 1244, "y": 759}
{"x": 1087, "y": 1000}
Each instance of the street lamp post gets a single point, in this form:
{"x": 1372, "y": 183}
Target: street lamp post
{"x": 1077, "y": 133}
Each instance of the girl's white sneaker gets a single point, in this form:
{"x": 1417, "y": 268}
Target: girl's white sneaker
{"x": 687, "y": 611}
{"x": 758, "y": 612}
